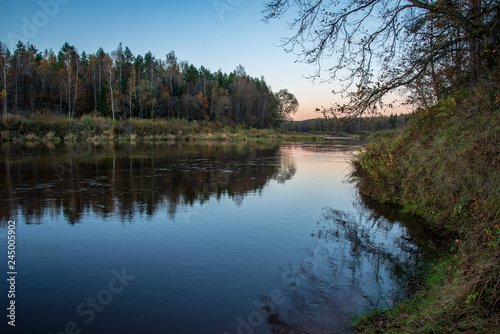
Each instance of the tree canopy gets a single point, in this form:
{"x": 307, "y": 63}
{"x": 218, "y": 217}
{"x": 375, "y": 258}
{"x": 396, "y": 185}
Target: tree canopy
{"x": 427, "y": 47}
{"x": 120, "y": 85}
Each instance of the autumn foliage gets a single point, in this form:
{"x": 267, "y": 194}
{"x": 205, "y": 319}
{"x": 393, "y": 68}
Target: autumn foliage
{"x": 121, "y": 85}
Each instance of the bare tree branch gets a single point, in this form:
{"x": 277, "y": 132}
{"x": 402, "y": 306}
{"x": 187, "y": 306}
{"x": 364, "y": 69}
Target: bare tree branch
{"x": 384, "y": 45}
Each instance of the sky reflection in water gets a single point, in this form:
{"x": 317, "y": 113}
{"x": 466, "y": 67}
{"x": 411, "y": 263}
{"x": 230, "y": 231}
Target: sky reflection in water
{"x": 221, "y": 238}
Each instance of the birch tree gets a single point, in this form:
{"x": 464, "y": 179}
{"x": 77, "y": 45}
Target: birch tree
{"x": 128, "y": 84}
{"x": 173, "y": 76}
{"x": 93, "y": 77}
{"x": 132, "y": 84}
{"x": 108, "y": 65}
{"x": 69, "y": 64}
{"x": 150, "y": 63}
{"x": 4, "y": 65}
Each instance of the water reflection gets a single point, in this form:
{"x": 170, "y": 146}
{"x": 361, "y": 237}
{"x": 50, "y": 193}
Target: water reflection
{"x": 298, "y": 236}
{"x": 360, "y": 261}
{"x": 126, "y": 179}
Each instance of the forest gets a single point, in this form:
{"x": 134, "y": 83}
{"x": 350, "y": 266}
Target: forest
{"x": 121, "y": 85}
{"x": 348, "y": 125}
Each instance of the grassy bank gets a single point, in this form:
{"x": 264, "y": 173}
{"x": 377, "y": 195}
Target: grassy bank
{"x": 444, "y": 166}
{"x": 51, "y": 128}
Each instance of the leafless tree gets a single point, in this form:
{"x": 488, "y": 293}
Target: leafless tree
{"x": 380, "y": 46}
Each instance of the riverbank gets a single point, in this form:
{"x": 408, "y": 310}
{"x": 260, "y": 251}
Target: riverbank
{"x": 444, "y": 166}
{"x": 50, "y": 128}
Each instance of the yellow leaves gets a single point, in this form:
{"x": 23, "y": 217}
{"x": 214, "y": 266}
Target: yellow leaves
{"x": 3, "y": 94}
{"x": 493, "y": 237}
{"x": 446, "y": 107}
{"x": 472, "y": 298}
{"x": 204, "y": 104}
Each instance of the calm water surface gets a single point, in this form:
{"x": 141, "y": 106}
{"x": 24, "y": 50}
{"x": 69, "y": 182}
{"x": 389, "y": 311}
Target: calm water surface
{"x": 205, "y": 238}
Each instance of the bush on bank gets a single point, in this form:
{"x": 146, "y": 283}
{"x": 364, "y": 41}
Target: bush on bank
{"x": 445, "y": 166}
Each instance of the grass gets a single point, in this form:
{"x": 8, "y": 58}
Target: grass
{"x": 444, "y": 166}
{"x": 373, "y": 136}
{"x": 51, "y": 128}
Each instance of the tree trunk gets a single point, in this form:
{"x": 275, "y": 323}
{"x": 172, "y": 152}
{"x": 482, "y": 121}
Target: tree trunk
{"x": 111, "y": 92}
{"x": 435, "y": 85}
{"x": 171, "y": 97}
{"x": 69, "y": 93}
{"x": 17, "y": 73}
{"x": 5, "y": 88}
{"x": 121, "y": 102}
{"x": 100, "y": 82}
{"x": 475, "y": 42}
{"x": 135, "y": 89}
{"x": 212, "y": 103}
{"x": 94, "y": 84}
{"x": 76, "y": 87}
{"x": 152, "y": 96}
{"x": 130, "y": 102}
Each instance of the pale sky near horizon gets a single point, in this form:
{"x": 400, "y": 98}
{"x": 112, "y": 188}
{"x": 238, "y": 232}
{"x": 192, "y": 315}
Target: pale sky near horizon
{"x": 218, "y": 34}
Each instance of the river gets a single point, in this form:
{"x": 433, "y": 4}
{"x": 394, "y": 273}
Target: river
{"x": 197, "y": 238}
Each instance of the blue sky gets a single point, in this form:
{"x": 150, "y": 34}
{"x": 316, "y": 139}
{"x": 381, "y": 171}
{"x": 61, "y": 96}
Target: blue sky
{"x": 213, "y": 33}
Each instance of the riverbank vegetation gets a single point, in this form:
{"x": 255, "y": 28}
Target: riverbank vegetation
{"x": 444, "y": 166}
{"x": 56, "y": 129}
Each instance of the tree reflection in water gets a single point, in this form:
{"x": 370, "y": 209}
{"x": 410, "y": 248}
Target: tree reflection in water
{"x": 127, "y": 179}
{"x": 361, "y": 260}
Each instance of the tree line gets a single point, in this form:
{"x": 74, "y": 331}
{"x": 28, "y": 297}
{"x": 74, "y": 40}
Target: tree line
{"x": 359, "y": 125}
{"x": 122, "y": 85}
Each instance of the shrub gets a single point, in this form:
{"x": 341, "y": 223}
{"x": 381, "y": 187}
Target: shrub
{"x": 5, "y": 136}
{"x": 31, "y": 138}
